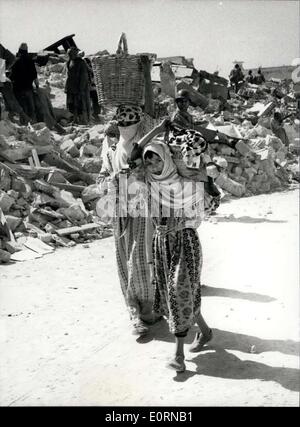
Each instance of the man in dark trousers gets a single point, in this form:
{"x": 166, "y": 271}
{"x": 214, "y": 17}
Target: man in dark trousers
{"x": 23, "y": 74}
{"x": 6, "y": 89}
{"x": 236, "y": 77}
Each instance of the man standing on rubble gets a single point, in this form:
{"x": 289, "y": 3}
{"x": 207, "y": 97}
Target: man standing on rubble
{"x": 23, "y": 74}
{"x": 6, "y": 88}
{"x": 236, "y": 77}
{"x": 260, "y": 78}
{"x": 77, "y": 87}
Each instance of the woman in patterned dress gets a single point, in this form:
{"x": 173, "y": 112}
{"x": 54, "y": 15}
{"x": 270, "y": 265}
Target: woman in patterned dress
{"x": 177, "y": 255}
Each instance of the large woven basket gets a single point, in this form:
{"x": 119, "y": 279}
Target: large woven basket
{"x": 119, "y": 78}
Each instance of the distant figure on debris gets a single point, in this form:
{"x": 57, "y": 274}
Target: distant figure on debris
{"x": 12, "y": 106}
{"x": 77, "y": 87}
{"x": 250, "y": 78}
{"x": 96, "y": 109}
{"x": 278, "y": 129}
{"x": 260, "y": 78}
{"x": 23, "y": 74}
{"x": 236, "y": 77}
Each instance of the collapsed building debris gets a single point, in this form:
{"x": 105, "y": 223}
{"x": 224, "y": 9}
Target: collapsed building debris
{"x": 48, "y": 170}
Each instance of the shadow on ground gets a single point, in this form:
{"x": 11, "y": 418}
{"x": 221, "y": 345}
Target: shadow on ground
{"x": 246, "y": 219}
{"x": 220, "y": 363}
{"x": 211, "y": 291}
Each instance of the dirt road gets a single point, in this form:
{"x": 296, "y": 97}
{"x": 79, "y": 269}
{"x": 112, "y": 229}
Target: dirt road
{"x": 65, "y": 336}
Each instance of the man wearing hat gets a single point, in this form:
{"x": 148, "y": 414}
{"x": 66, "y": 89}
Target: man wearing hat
{"x": 181, "y": 116}
{"x": 13, "y": 107}
{"x": 23, "y": 74}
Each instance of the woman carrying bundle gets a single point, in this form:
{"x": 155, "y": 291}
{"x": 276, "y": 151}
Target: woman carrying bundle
{"x": 131, "y": 232}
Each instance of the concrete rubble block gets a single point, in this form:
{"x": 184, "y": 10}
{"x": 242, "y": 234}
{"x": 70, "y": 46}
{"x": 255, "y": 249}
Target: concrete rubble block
{"x": 65, "y": 198}
{"x": 38, "y": 218}
{"x": 13, "y": 222}
{"x": 4, "y": 144}
{"x": 242, "y": 148}
{"x": 14, "y": 194}
{"x": 41, "y": 199}
{"x": 91, "y": 192}
{"x": 274, "y": 142}
{"x": 226, "y": 150}
{"x": 73, "y": 213}
{"x": 88, "y": 150}
{"x": 235, "y": 188}
{"x": 6, "y": 201}
{"x": 12, "y": 247}
{"x": 4, "y": 256}
{"x": 56, "y": 177}
{"x": 17, "y": 184}
{"x": 5, "y": 180}
{"x": 15, "y": 212}
{"x": 45, "y": 237}
{"x": 57, "y": 68}
{"x": 43, "y": 136}
{"x": 7, "y": 128}
{"x": 249, "y": 173}
{"x": 92, "y": 165}
{"x": 27, "y": 190}
{"x": 21, "y": 202}
{"x": 69, "y": 147}
{"x": 44, "y": 187}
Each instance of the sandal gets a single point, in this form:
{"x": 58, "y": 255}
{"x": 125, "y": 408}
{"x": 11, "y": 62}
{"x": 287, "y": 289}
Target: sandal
{"x": 199, "y": 341}
{"x": 177, "y": 364}
{"x": 139, "y": 328}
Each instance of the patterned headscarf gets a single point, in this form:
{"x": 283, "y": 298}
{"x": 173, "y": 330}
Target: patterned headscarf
{"x": 127, "y": 115}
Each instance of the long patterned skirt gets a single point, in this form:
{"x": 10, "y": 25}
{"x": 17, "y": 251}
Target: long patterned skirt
{"x": 133, "y": 270}
{"x": 177, "y": 271}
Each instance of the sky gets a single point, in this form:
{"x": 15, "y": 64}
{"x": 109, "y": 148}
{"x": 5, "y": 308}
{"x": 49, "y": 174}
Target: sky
{"x": 214, "y": 33}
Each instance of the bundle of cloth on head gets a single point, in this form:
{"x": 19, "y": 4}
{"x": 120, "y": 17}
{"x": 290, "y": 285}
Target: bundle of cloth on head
{"x": 188, "y": 147}
{"x": 169, "y": 192}
{"x": 127, "y": 115}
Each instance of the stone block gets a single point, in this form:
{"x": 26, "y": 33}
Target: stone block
{"x": 6, "y": 201}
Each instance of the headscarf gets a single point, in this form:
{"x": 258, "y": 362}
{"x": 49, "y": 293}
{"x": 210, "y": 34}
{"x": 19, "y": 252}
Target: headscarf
{"x": 170, "y": 191}
{"x": 127, "y": 115}
{"x": 128, "y": 118}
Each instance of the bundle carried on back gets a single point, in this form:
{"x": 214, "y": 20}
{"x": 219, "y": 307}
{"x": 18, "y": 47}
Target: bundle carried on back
{"x": 187, "y": 148}
{"x": 119, "y": 78}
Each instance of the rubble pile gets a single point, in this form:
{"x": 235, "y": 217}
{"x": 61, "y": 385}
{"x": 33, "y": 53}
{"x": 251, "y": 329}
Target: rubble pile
{"x": 47, "y": 187}
{"x": 248, "y": 159}
{"x": 48, "y": 194}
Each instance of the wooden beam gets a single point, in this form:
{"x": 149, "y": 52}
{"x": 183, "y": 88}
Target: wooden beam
{"x": 70, "y": 230}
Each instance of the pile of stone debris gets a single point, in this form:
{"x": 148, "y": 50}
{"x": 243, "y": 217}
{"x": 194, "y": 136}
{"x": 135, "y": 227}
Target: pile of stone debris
{"x": 48, "y": 193}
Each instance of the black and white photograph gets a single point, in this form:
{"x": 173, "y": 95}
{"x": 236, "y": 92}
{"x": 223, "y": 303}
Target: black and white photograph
{"x": 149, "y": 206}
